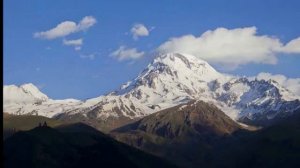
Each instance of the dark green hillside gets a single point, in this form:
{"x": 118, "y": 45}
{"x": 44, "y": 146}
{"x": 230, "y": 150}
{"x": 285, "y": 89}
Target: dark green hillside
{"x": 25, "y": 122}
{"x": 72, "y": 146}
{"x": 274, "y": 146}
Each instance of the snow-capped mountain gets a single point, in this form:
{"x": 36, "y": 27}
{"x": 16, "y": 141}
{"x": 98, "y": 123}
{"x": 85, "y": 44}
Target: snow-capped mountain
{"x": 24, "y": 94}
{"x": 28, "y": 99}
{"x": 173, "y": 79}
{"x": 254, "y": 99}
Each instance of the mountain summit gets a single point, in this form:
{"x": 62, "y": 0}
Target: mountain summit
{"x": 173, "y": 79}
{"x": 24, "y": 94}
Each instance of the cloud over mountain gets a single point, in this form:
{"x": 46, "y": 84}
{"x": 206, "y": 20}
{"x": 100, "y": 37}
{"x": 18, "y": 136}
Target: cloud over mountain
{"x": 293, "y": 46}
{"x": 231, "y": 47}
{"x": 292, "y": 84}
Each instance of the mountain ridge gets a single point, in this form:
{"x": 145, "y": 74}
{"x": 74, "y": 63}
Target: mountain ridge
{"x": 173, "y": 79}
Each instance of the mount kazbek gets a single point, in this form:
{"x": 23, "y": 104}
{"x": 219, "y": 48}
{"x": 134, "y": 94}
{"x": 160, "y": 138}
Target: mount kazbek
{"x": 169, "y": 80}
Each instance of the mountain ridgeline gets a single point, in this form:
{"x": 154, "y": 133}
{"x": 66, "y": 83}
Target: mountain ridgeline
{"x": 169, "y": 80}
{"x": 178, "y": 112}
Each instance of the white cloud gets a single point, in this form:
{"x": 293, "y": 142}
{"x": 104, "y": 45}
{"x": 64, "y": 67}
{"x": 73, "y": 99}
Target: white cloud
{"x": 292, "y": 84}
{"x": 139, "y": 30}
{"x": 123, "y": 53}
{"x": 88, "y": 56}
{"x": 77, "y": 42}
{"x": 77, "y": 48}
{"x": 231, "y": 47}
{"x": 65, "y": 28}
{"x": 61, "y": 30}
{"x": 293, "y": 46}
{"x": 86, "y": 23}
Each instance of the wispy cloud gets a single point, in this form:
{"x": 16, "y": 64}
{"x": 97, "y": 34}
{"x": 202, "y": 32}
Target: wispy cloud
{"x": 41, "y": 86}
{"x": 124, "y": 53}
{"x": 76, "y": 43}
{"x": 86, "y": 23}
{"x": 88, "y": 56}
{"x": 65, "y": 28}
{"x": 77, "y": 48}
{"x": 139, "y": 30}
{"x": 231, "y": 47}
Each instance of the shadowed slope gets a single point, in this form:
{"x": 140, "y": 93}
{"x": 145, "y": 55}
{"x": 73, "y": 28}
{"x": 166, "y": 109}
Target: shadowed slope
{"x": 183, "y": 134}
{"x": 73, "y": 146}
{"x": 207, "y": 138}
{"x": 274, "y": 146}
{"x": 12, "y": 123}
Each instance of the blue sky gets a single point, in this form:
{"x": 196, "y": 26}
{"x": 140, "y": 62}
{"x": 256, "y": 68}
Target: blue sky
{"x": 63, "y": 72}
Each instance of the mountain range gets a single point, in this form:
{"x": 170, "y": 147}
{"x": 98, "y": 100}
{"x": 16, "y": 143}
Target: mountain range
{"x": 193, "y": 134}
{"x": 178, "y": 112}
{"x": 169, "y": 80}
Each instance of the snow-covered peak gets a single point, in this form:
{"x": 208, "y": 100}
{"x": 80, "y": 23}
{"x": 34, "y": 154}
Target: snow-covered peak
{"x": 174, "y": 69}
{"x": 169, "y": 80}
{"x": 184, "y": 64}
{"x": 171, "y": 56}
{"x": 174, "y": 78}
{"x": 33, "y": 90}
{"x": 24, "y": 94}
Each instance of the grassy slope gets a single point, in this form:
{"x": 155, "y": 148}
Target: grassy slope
{"x": 25, "y": 122}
